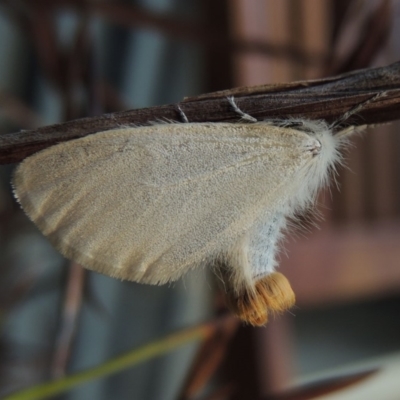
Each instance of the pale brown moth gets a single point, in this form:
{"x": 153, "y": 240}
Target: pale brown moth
{"x": 149, "y": 203}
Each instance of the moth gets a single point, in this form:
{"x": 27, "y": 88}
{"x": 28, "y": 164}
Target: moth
{"x": 149, "y": 203}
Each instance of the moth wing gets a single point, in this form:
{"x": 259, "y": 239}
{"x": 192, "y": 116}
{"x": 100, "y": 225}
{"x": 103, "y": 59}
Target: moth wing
{"x": 148, "y": 203}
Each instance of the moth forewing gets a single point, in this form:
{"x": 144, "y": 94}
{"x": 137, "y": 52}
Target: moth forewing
{"x": 149, "y": 203}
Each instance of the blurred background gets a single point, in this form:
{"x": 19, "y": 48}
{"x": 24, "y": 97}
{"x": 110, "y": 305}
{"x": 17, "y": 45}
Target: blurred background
{"x": 66, "y": 59}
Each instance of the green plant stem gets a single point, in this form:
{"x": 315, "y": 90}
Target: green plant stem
{"x": 117, "y": 364}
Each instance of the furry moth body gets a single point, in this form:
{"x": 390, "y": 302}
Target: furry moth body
{"x": 149, "y": 203}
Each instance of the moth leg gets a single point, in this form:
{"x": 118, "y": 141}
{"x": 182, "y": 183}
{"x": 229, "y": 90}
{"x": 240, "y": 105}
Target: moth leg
{"x": 242, "y": 114}
{"x": 350, "y": 130}
{"x": 182, "y": 114}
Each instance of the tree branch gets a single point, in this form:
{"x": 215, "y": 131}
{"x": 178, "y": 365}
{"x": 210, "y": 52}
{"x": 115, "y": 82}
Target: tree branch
{"x": 326, "y": 99}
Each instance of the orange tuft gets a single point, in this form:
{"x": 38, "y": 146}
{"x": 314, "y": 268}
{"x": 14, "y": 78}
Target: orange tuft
{"x": 276, "y": 291}
{"x": 272, "y": 293}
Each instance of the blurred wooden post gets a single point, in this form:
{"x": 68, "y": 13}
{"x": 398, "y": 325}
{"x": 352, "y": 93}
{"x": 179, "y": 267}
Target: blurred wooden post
{"x": 304, "y": 26}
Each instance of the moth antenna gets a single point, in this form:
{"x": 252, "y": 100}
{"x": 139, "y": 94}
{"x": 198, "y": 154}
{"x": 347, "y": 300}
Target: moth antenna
{"x": 242, "y": 114}
{"x": 355, "y": 110}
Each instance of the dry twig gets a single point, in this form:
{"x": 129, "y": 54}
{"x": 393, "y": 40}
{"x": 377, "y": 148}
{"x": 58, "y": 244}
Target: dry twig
{"x": 326, "y": 99}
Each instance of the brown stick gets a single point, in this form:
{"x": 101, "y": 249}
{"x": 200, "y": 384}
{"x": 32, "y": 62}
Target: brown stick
{"x": 326, "y": 99}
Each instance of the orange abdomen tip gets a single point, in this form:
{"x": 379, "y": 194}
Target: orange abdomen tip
{"x": 272, "y": 293}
